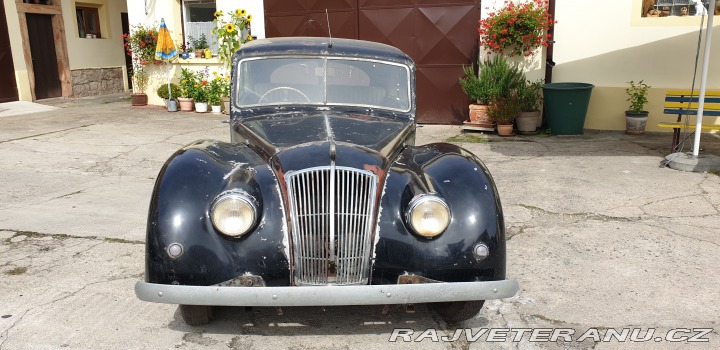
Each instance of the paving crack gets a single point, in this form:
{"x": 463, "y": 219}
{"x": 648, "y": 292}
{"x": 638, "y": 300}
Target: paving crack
{"x": 30, "y": 234}
{"x": 47, "y": 133}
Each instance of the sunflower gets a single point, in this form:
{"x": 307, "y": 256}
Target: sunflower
{"x": 240, "y": 12}
{"x": 230, "y": 27}
{"x": 249, "y": 18}
{"x": 218, "y": 14}
{"x": 249, "y": 37}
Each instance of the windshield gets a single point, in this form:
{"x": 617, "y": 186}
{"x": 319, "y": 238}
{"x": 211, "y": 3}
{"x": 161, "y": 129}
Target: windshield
{"x": 323, "y": 81}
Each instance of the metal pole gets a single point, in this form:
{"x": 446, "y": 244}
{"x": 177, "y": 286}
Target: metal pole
{"x": 703, "y": 79}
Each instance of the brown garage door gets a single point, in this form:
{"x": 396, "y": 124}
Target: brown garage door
{"x": 440, "y": 36}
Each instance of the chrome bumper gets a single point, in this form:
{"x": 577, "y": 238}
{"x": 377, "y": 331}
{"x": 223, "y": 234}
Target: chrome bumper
{"x": 325, "y": 295}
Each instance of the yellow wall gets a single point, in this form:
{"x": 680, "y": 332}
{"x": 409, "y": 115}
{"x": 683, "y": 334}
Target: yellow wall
{"x": 609, "y": 43}
{"x": 82, "y": 53}
{"x": 18, "y": 57}
{"x": 170, "y": 11}
{"x": 102, "y": 52}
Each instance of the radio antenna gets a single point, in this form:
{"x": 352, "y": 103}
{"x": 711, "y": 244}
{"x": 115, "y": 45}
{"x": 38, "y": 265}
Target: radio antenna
{"x": 329, "y": 33}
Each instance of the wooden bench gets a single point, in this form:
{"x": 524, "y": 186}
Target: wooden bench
{"x": 678, "y": 102}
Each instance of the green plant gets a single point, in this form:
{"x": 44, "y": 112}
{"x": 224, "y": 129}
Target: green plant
{"x": 472, "y": 86}
{"x": 637, "y": 95}
{"x": 530, "y": 96}
{"x": 217, "y": 87}
{"x": 500, "y": 77}
{"x": 199, "y": 43}
{"x": 518, "y": 28}
{"x": 164, "y": 93}
{"x": 504, "y": 109}
{"x": 188, "y": 83}
{"x": 229, "y": 34}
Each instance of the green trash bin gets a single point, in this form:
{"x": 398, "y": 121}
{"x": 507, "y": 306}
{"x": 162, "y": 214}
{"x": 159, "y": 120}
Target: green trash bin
{"x": 566, "y": 106}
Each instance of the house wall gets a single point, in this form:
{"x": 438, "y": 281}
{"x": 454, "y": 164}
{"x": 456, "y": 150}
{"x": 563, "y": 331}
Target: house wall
{"x": 171, "y": 12}
{"x": 609, "y": 44}
{"x": 16, "y": 48}
{"x": 97, "y": 66}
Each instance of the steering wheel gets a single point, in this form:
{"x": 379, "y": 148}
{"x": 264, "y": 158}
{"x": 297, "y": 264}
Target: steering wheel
{"x": 307, "y": 99}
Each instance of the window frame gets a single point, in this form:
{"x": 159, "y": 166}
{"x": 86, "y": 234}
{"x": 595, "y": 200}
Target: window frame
{"x": 88, "y": 14}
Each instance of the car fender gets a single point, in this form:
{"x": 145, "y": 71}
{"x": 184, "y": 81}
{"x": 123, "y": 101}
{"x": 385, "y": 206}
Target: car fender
{"x": 466, "y": 185}
{"x": 180, "y": 213}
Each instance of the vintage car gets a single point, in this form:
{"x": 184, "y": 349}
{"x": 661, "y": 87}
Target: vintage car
{"x": 321, "y": 196}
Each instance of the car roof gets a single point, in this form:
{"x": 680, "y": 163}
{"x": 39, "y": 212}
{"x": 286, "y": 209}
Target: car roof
{"x": 317, "y": 46}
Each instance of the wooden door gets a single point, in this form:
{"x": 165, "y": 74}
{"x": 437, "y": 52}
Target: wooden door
{"x": 8, "y": 87}
{"x": 44, "y": 57}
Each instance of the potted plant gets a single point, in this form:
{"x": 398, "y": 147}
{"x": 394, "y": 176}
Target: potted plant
{"x": 140, "y": 44}
{"x": 636, "y": 117}
{"x": 199, "y": 44}
{"x": 230, "y": 33}
{"x": 169, "y": 96}
{"x": 200, "y": 94}
{"x": 518, "y": 28}
{"x": 530, "y": 100}
{"x": 214, "y": 91}
{"x": 503, "y": 111}
{"x": 188, "y": 83}
{"x": 479, "y": 92}
{"x": 225, "y": 93}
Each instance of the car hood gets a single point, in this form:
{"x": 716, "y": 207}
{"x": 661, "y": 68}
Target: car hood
{"x": 301, "y": 139}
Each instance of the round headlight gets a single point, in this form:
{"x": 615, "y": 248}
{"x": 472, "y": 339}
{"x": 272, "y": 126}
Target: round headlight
{"x": 428, "y": 215}
{"x": 233, "y": 214}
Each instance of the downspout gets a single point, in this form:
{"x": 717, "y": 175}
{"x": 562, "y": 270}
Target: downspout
{"x": 549, "y": 63}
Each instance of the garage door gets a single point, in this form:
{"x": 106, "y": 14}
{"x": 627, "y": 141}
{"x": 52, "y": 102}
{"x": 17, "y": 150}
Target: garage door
{"x": 440, "y": 36}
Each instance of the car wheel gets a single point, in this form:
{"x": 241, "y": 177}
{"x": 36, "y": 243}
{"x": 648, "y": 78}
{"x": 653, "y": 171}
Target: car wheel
{"x": 196, "y": 315}
{"x": 458, "y": 310}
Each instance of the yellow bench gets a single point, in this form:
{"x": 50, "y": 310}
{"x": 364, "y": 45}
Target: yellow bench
{"x": 679, "y": 102}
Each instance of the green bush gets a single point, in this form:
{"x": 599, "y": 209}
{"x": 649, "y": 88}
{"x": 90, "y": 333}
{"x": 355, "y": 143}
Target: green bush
{"x": 162, "y": 91}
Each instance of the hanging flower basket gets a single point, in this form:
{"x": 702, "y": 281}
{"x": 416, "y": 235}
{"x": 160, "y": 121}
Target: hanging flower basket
{"x": 518, "y": 28}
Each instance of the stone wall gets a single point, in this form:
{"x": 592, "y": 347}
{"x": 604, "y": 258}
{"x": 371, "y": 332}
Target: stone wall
{"x": 97, "y": 81}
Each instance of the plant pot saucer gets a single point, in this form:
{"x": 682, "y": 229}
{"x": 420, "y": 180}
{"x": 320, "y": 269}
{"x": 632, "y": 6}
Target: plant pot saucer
{"x": 468, "y": 125}
{"x": 513, "y": 134}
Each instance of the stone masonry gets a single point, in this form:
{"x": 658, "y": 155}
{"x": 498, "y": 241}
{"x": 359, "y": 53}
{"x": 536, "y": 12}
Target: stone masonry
{"x": 97, "y": 81}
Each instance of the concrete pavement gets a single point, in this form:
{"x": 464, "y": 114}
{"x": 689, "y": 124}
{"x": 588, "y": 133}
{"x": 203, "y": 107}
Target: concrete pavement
{"x": 598, "y": 236}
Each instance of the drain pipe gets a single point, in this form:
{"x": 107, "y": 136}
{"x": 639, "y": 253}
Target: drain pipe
{"x": 549, "y": 63}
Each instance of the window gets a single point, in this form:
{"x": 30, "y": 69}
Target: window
{"x": 666, "y": 8}
{"x": 198, "y": 16}
{"x": 88, "y": 22}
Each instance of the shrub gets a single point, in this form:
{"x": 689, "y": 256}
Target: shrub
{"x": 163, "y": 92}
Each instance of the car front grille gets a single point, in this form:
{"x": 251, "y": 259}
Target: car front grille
{"x": 332, "y": 210}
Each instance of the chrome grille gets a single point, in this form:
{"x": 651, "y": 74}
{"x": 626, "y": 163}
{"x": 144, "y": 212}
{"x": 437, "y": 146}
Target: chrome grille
{"x": 331, "y": 209}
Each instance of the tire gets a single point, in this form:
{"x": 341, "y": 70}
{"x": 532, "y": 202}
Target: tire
{"x": 196, "y": 315}
{"x": 457, "y": 311}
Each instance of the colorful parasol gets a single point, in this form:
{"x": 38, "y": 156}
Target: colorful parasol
{"x": 165, "y": 50}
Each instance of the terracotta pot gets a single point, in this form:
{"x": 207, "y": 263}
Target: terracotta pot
{"x": 186, "y": 104}
{"x": 479, "y": 114}
{"x": 226, "y": 104}
{"x": 201, "y": 107}
{"x": 527, "y": 122}
{"x": 139, "y": 99}
{"x": 505, "y": 130}
{"x": 199, "y": 53}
